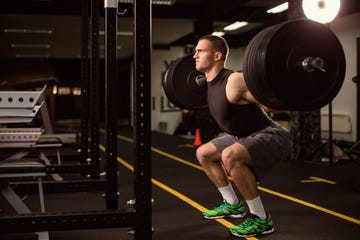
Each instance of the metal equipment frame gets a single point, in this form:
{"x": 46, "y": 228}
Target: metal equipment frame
{"x": 140, "y": 219}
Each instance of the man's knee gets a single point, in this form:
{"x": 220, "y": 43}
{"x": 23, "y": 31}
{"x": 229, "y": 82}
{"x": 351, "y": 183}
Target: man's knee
{"x": 228, "y": 158}
{"x": 200, "y": 153}
{"x": 207, "y": 152}
{"x": 235, "y": 157}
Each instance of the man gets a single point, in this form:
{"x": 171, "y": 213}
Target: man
{"x": 253, "y": 143}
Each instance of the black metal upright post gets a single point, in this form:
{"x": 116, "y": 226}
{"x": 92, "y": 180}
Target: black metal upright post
{"x": 356, "y": 80}
{"x": 85, "y": 14}
{"x": 142, "y": 118}
{"x": 330, "y": 143}
{"x": 111, "y": 103}
{"x": 94, "y": 90}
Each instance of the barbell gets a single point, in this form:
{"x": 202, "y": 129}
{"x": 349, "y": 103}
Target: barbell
{"x": 297, "y": 65}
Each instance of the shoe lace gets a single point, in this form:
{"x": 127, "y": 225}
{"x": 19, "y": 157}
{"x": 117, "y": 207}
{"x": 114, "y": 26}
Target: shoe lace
{"x": 247, "y": 222}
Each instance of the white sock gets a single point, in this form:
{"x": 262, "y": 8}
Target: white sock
{"x": 229, "y": 194}
{"x": 256, "y": 207}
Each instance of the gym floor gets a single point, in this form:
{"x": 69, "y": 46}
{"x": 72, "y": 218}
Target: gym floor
{"x": 307, "y": 199}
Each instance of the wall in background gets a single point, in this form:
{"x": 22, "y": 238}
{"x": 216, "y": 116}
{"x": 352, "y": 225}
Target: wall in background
{"x": 347, "y": 29}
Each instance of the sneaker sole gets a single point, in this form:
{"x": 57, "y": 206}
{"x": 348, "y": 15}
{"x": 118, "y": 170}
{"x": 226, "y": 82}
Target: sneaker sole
{"x": 229, "y": 216}
{"x": 252, "y": 235}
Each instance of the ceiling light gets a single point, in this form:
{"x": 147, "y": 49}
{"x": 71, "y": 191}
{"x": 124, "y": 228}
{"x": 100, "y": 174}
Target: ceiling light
{"x": 279, "y": 8}
{"x": 155, "y": 2}
{"x": 235, "y": 25}
{"x": 322, "y": 11}
{"x": 218, "y": 34}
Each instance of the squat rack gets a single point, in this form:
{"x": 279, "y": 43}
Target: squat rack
{"x": 140, "y": 219}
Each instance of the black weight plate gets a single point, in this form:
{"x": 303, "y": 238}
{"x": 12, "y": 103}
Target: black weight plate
{"x": 299, "y": 89}
{"x": 255, "y": 72}
{"x": 279, "y": 77}
{"x": 180, "y": 86}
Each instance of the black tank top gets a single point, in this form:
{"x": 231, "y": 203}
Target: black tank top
{"x": 235, "y": 119}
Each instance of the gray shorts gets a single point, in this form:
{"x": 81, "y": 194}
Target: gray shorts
{"x": 266, "y": 147}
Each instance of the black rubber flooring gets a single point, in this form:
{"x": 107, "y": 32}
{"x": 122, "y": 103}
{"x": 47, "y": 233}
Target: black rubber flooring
{"x": 307, "y": 200}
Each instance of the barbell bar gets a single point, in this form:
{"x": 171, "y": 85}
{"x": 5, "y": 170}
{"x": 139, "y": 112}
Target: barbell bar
{"x": 297, "y": 65}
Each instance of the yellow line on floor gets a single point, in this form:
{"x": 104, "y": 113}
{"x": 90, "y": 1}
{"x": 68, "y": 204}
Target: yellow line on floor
{"x": 281, "y": 195}
{"x": 317, "y": 179}
{"x": 194, "y": 204}
{"x": 189, "y": 201}
{"x": 311, "y": 205}
{"x": 177, "y": 159}
{"x": 176, "y": 194}
{"x": 302, "y": 202}
{"x": 163, "y": 153}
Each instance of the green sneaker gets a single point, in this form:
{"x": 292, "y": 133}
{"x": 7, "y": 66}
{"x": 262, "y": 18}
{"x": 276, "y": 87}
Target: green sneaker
{"x": 226, "y": 210}
{"x": 252, "y": 226}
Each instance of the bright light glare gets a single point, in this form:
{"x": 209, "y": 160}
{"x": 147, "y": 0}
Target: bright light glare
{"x": 235, "y": 25}
{"x": 279, "y": 8}
{"x": 322, "y": 11}
{"x": 218, "y": 34}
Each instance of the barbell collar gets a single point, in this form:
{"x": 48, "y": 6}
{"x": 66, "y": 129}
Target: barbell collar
{"x": 200, "y": 80}
{"x": 310, "y": 64}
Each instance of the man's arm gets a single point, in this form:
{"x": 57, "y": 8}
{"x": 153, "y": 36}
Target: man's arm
{"x": 237, "y": 92}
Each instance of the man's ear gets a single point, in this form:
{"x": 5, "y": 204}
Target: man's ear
{"x": 218, "y": 56}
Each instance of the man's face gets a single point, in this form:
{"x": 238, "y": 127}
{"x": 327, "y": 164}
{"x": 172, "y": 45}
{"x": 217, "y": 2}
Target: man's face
{"x": 203, "y": 56}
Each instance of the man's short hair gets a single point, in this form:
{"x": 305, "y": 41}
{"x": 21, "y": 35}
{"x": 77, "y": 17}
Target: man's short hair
{"x": 218, "y": 43}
